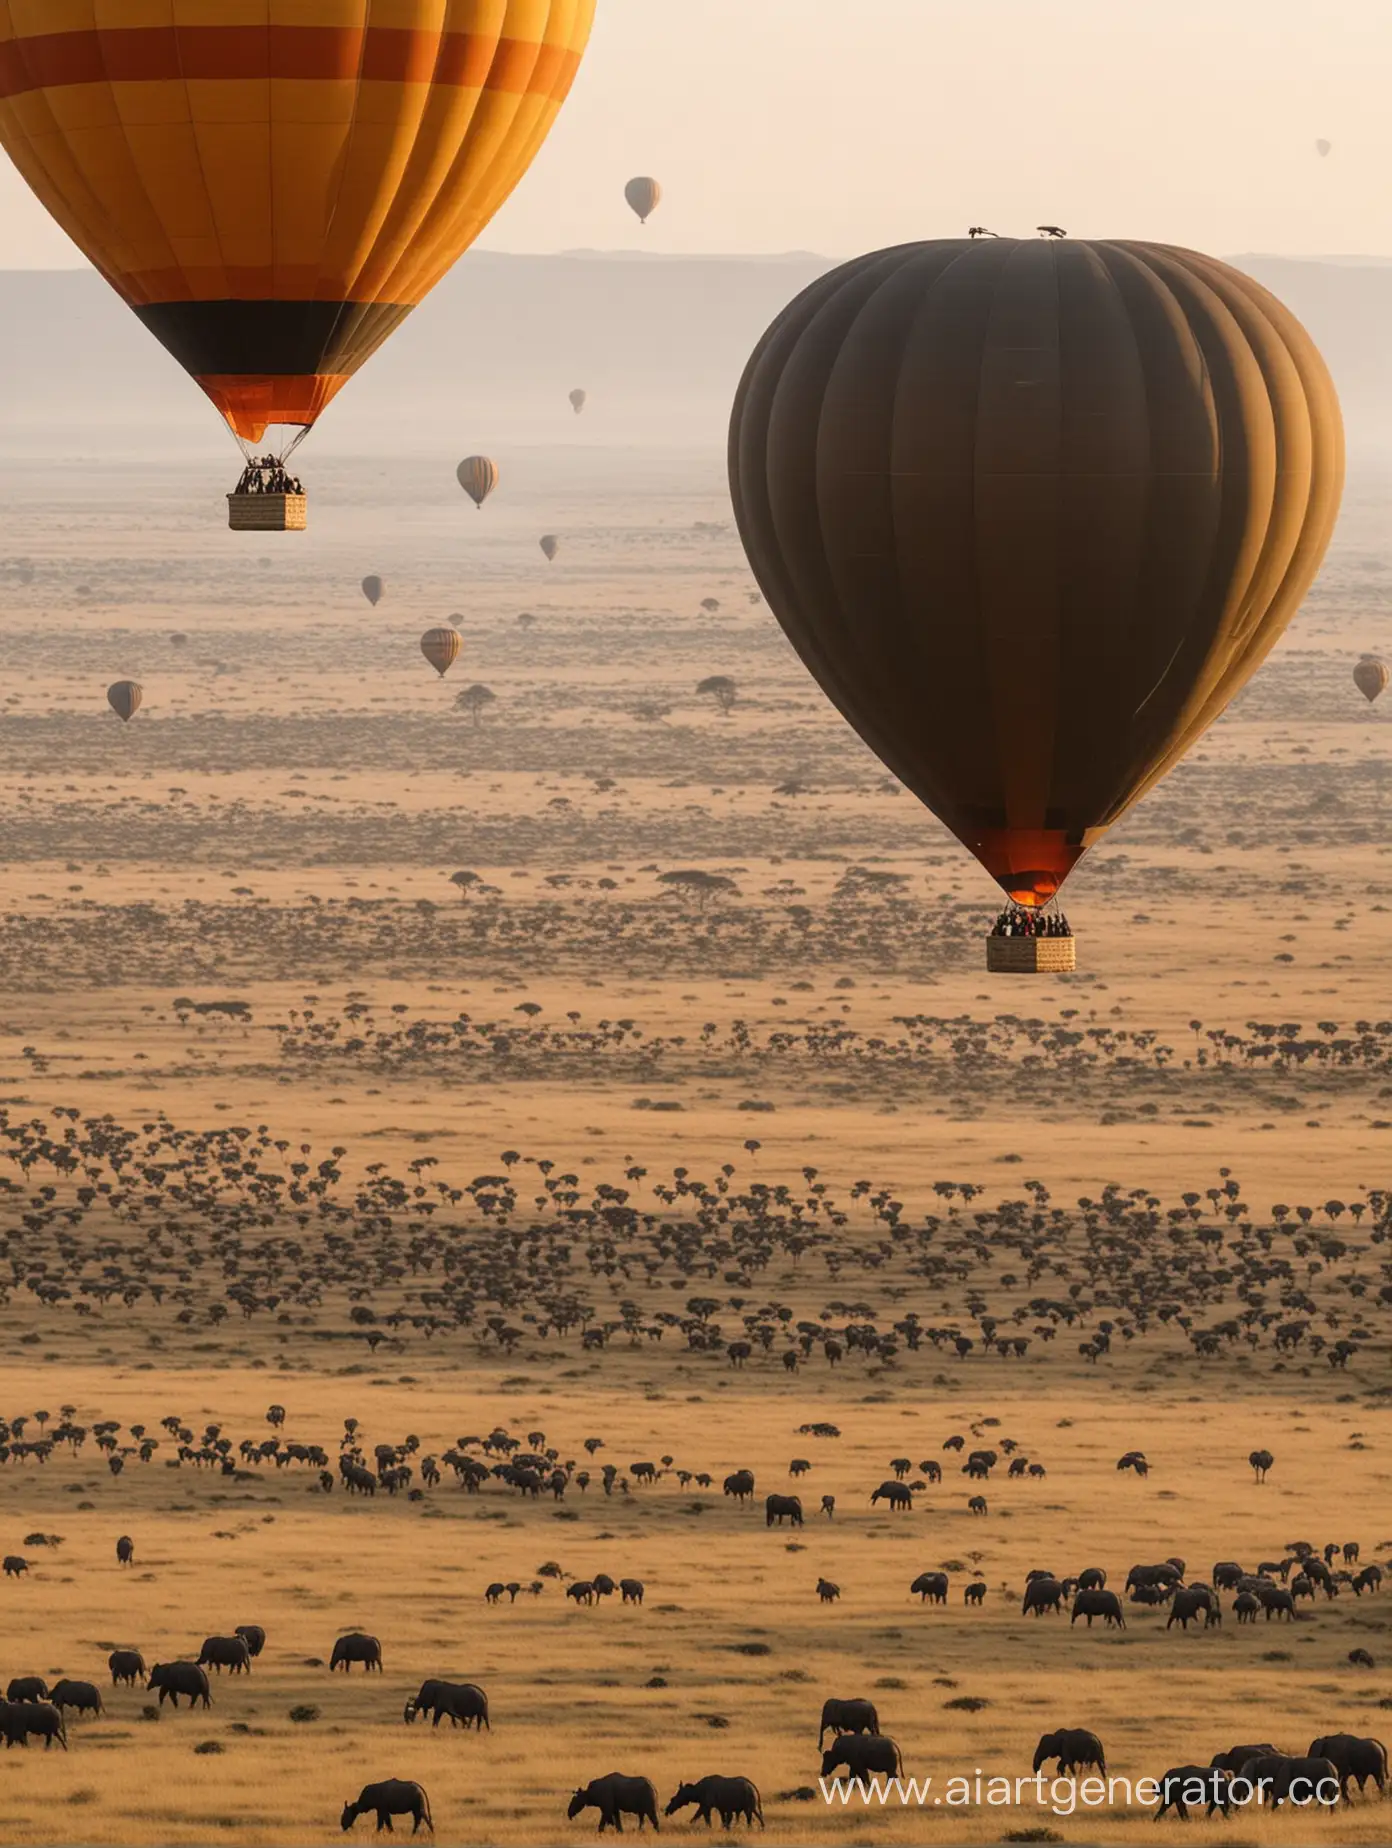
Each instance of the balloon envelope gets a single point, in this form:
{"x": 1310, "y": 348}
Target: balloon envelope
{"x": 124, "y": 698}
{"x": 644, "y": 195}
{"x": 478, "y": 476}
{"x": 372, "y": 588}
{"x": 1370, "y": 676}
{"x": 273, "y": 186}
{"x": 441, "y": 649}
{"x": 550, "y": 544}
{"x": 1032, "y": 512}
{"x": 1323, "y": 147}
{"x": 577, "y": 401}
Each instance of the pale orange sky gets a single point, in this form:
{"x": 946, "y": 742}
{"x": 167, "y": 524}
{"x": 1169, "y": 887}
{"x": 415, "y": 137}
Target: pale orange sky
{"x": 841, "y": 125}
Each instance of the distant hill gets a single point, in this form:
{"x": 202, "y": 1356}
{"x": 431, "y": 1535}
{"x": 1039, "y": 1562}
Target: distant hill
{"x": 659, "y": 343}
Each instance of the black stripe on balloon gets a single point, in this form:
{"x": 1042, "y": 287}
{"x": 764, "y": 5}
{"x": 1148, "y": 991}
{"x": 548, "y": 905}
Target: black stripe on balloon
{"x": 271, "y": 338}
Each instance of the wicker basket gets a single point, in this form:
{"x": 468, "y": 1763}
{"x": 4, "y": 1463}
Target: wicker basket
{"x": 267, "y": 513}
{"x": 1031, "y": 955}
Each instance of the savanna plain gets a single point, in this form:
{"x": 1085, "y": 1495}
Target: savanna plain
{"x": 416, "y": 1116}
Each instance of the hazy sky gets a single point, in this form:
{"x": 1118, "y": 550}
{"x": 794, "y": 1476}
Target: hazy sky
{"x": 841, "y": 125}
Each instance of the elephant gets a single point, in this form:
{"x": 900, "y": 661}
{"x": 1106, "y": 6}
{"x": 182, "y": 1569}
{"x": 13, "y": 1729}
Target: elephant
{"x": 897, "y": 1494}
{"x": 1074, "y": 1747}
{"x": 356, "y": 1648}
{"x": 740, "y": 1484}
{"x": 862, "y": 1757}
{"x": 253, "y": 1636}
{"x": 729, "y": 1796}
{"x": 1353, "y": 1758}
{"x": 21, "y": 1720}
{"x": 1277, "y": 1779}
{"x": 176, "y": 1678}
{"x": 783, "y": 1507}
{"x": 930, "y": 1585}
{"x": 1042, "y": 1594}
{"x": 231, "y": 1652}
{"x": 1190, "y": 1603}
{"x": 847, "y": 1716}
{"x": 393, "y": 1797}
{"x": 125, "y": 1550}
{"x": 126, "y": 1665}
{"x": 461, "y": 1702}
{"x": 1092, "y": 1578}
{"x": 1193, "y": 1784}
{"x": 616, "y": 1796}
{"x": 81, "y": 1696}
{"x": 1236, "y": 1757}
{"x": 632, "y": 1590}
{"x": 27, "y": 1687}
{"x": 1278, "y": 1601}
{"x": 1103, "y": 1604}
{"x": 1149, "y": 1576}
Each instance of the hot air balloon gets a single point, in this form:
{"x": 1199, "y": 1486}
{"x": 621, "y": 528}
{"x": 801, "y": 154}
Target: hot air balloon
{"x": 124, "y": 698}
{"x": 441, "y": 649}
{"x": 644, "y": 196}
{"x": 478, "y": 476}
{"x": 550, "y": 544}
{"x": 273, "y": 187}
{"x": 1370, "y": 676}
{"x": 577, "y": 400}
{"x": 1323, "y": 147}
{"x": 1032, "y": 512}
{"x": 372, "y": 589}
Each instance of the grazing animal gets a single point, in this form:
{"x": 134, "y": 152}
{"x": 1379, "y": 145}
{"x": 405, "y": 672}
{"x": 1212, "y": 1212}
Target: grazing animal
{"x": 1236, "y": 1757}
{"x": 494, "y": 1593}
{"x": 231, "y": 1652}
{"x": 125, "y": 1665}
{"x": 632, "y": 1590}
{"x": 975, "y": 1593}
{"x": 1190, "y": 1603}
{"x": 461, "y": 1702}
{"x": 176, "y": 1678}
{"x": 1042, "y": 1594}
{"x": 740, "y": 1484}
{"x": 1074, "y": 1747}
{"x": 731, "y": 1797}
{"x": 356, "y": 1648}
{"x": 1246, "y": 1604}
{"x": 582, "y": 1591}
{"x": 1357, "y": 1760}
{"x": 782, "y": 1508}
{"x": 21, "y": 1720}
{"x": 125, "y": 1550}
{"x": 1103, "y": 1604}
{"x": 897, "y": 1494}
{"x": 1360, "y": 1658}
{"x": 616, "y": 1796}
{"x": 827, "y": 1591}
{"x": 1302, "y": 1781}
{"x": 930, "y": 1585}
{"x": 81, "y": 1696}
{"x": 828, "y": 1506}
{"x": 15, "y": 1566}
{"x": 847, "y": 1716}
{"x": 977, "y": 1505}
{"x": 27, "y": 1687}
{"x": 862, "y": 1757}
{"x": 1278, "y": 1602}
{"x": 1193, "y": 1784}
{"x": 393, "y": 1797}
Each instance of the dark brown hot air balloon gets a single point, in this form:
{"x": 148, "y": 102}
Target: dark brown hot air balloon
{"x": 124, "y": 698}
{"x": 577, "y": 400}
{"x": 1370, "y": 676}
{"x": 644, "y": 196}
{"x": 441, "y": 649}
{"x": 550, "y": 544}
{"x": 372, "y": 588}
{"x": 1032, "y": 512}
{"x": 478, "y": 476}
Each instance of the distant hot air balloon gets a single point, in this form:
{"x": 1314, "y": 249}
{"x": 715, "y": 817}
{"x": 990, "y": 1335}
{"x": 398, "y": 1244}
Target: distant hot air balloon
{"x": 178, "y": 639}
{"x": 441, "y": 649}
{"x": 1026, "y": 585}
{"x": 478, "y": 476}
{"x": 1323, "y": 147}
{"x": 644, "y": 196}
{"x": 550, "y": 544}
{"x": 577, "y": 400}
{"x": 372, "y": 588}
{"x": 273, "y": 187}
{"x": 1370, "y": 676}
{"x": 124, "y": 698}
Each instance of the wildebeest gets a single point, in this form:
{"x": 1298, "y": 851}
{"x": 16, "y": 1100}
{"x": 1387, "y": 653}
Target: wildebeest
{"x": 782, "y": 1508}
{"x": 462, "y": 1703}
{"x": 632, "y": 1590}
{"x": 253, "y": 1636}
{"x": 847, "y": 1716}
{"x": 1103, "y": 1604}
{"x": 176, "y": 1678}
{"x": 81, "y": 1696}
{"x": 740, "y": 1484}
{"x": 125, "y": 1665}
{"x": 897, "y": 1494}
{"x": 616, "y": 1796}
{"x": 27, "y": 1687}
{"x": 1074, "y": 1747}
{"x": 1194, "y": 1784}
{"x": 930, "y": 1585}
{"x": 231, "y": 1652}
{"x": 21, "y": 1720}
{"x": 1359, "y": 1760}
{"x": 125, "y": 1550}
{"x": 862, "y": 1757}
{"x": 393, "y": 1797}
{"x": 1042, "y": 1594}
{"x": 15, "y": 1566}
{"x": 728, "y": 1796}
{"x": 356, "y": 1648}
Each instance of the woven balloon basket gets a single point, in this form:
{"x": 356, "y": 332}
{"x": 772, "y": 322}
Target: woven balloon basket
{"x": 1031, "y": 955}
{"x": 267, "y": 513}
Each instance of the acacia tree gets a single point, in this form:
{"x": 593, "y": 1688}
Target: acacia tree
{"x": 464, "y": 880}
{"x": 704, "y": 886}
{"x": 475, "y": 699}
{"x": 722, "y": 690}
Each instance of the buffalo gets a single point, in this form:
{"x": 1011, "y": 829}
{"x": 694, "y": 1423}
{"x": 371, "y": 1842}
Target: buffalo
{"x": 632, "y": 1590}
{"x": 1192, "y": 1602}
{"x": 22, "y": 1720}
{"x": 81, "y": 1696}
{"x": 1103, "y": 1604}
{"x": 616, "y": 1796}
{"x": 1043, "y": 1594}
{"x": 740, "y": 1484}
{"x": 462, "y": 1703}
{"x": 231, "y": 1652}
{"x": 356, "y": 1648}
{"x": 897, "y": 1494}
{"x": 253, "y": 1636}
{"x": 125, "y": 1550}
{"x": 176, "y": 1678}
{"x": 930, "y": 1585}
{"x": 126, "y": 1665}
{"x": 393, "y": 1797}
{"x": 782, "y": 1508}
{"x": 15, "y": 1566}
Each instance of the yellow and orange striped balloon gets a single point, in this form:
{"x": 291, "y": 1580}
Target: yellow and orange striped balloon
{"x": 272, "y": 185}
